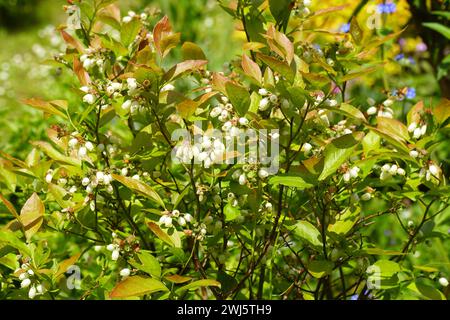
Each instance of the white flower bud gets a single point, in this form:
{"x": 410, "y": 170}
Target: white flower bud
{"x": 372, "y": 111}
{"x": 124, "y": 171}
{"x": 110, "y": 247}
{"x": 401, "y": 171}
{"x": 203, "y": 231}
{"x": 89, "y": 146}
{"x": 242, "y": 179}
{"x": 30, "y": 272}
{"x": 354, "y": 172}
{"x": 87, "y": 63}
{"x": 85, "y": 181}
{"x": 443, "y": 282}
{"x": 215, "y": 112}
{"x": 346, "y": 176}
{"x": 25, "y": 283}
{"x": 89, "y": 98}
{"x": 82, "y": 152}
{"x": 32, "y": 292}
{"x": 306, "y": 147}
{"x": 263, "y": 104}
{"x": 168, "y": 222}
{"x": 126, "y": 19}
{"x": 125, "y": 272}
{"x": 126, "y": 105}
{"x": 73, "y": 189}
{"x": 40, "y": 289}
{"x": 49, "y": 178}
{"x": 98, "y": 248}
{"x": 243, "y": 121}
{"x": 386, "y": 167}
{"x": 115, "y": 255}
{"x": 100, "y": 176}
{"x": 388, "y": 102}
{"x": 273, "y": 98}
{"x": 73, "y": 142}
{"x": 434, "y": 170}
{"x": 168, "y": 87}
{"x": 393, "y": 169}
{"x": 181, "y": 221}
{"x": 23, "y": 276}
{"x": 262, "y": 173}
{"x": 188, "y": 217}
{"x": 135, "y": 177}
{"x": 414, "y": 153}
{"x": 263, "y": 92}
{"x": 417, "y": 133}
{"x": 412, "y": 127}
{"x": 423, "y": 129}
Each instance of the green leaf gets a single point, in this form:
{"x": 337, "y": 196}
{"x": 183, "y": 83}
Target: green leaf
{"x": 338, "y": 151}
{"x": 345, "y": 221}
{"x": 427, "y": 292}
{"x": 445, "y": 14}
{"x": 393, "y": 127}
{"x": 279, "y": 66}
{"x": 355, "y": 31}
{"x": 231, "y": 212}
{"x": 9, "y": 238}
{"x": 382, "y": 252}
{"x": 353, "y": 112}
{"x": 136, "y": 286}
{"x": 140, "y": 188}
{"x": 191, "y": 51}
{"x": 148, "y": 264}
{"x": 308, "y": 232}
{"x": 129, "y": 31}
{"x": 32, "y": 215}
{"x": 199, "y": 283}
{"x": 63, "y": 266}
{"x": 280, "y": 9}
{"x": 172, "y": 240}
{"x": 320, "y": 268}
{"x": 239, "y": 97}
{"x": 51, "y": 152}
{"x": 290, "y": 181}
{"x": 445, "y": 31}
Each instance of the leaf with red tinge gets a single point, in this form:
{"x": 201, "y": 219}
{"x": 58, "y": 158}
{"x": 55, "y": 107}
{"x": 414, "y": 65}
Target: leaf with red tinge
{"x": 161, "y": 29}
{"x": 71, "y": 41}
{"x": 32, "y": 215}
{"x": 182, "y": 67}
{"x": 175, "y": 278}
{"x": 45, "y": 106}
{"x": 160, "y": 233}
{"x": 136, "y": 286}
{"x": 66, "y": 264}
{"x": 393, "y": 127}
{"x": 251, "y": 68}
{"x": 81, "y": 74}
{"x": 9, "y": 206}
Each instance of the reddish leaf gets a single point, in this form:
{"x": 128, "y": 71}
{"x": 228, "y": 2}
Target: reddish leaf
{"x": 251, "y": 68}
{"x": 71, "y": 41}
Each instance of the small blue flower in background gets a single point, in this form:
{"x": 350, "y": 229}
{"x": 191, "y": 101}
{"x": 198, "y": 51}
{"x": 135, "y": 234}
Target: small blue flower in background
{"x": 387, "y": 8}
{"x": 345, "y": 28}
{"x": 399, "y": 57}
{"x": 354, "y": 297}
{"x": 411, "y": 93}
{"x": 411, "y": 60}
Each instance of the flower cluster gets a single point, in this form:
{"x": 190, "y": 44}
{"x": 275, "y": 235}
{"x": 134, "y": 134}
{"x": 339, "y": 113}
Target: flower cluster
{"x": 389, "y": 170}
{"x": 168, "y": 217}
{"x": 28, "y": 279}
{"x": 417, "y": 130}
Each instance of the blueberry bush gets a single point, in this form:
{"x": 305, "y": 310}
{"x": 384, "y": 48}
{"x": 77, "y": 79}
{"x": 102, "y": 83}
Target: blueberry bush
{"x": 313, "y": 165}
